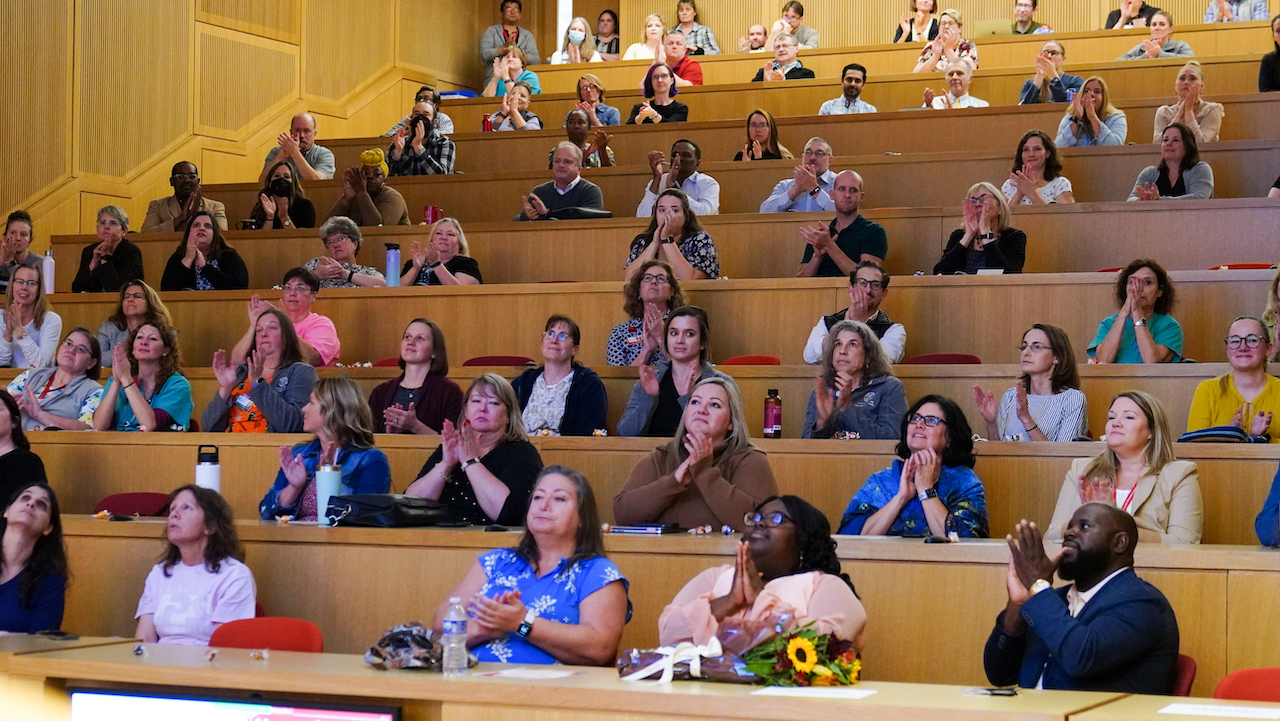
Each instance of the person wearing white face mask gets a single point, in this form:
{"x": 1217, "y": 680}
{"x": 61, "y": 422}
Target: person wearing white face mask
{"x": 1161, "y": 43}
{"x": 578, "y": 45}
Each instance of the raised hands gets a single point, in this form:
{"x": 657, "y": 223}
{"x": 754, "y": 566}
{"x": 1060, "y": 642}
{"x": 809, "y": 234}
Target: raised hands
{"x": 805, "y": 180}
{"x": 425, "y": 253}
{"x": 450, "y": 447}
{"x": 500, "y": 615}
{"x": 398, "y": 140}
{"x": 700, "y": 449}
{"x": 224, "y": 373}
{"x": 986, "y": 403}
{"x": 649, "y": 380}
{"x": 1099, "y": 490}
{"x": 295, "y": 472}
{"x": 268, "y": 205}
{"x": 747, "y": 585}
{"x": 120, "y": 366}
{"x": 752, "y": 151}
{"x": 1027, "y": 556}
{"x": 256, "y": 364}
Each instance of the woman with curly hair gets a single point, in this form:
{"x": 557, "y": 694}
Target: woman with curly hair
{"x": 145, "y": 392}
{"x": 139, "y": 303}
{"x": 33, "y": 561}
{"x": 786, "y": 563}
{"x": 1143, "y": 331}
{"x": 651, "y": 293}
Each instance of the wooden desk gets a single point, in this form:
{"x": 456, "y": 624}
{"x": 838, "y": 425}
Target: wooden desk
{"x": 13, "y": 645}
{"x": 1147, "y": 708}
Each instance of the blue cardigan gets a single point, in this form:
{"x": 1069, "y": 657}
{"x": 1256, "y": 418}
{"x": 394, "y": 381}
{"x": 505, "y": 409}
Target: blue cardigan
{"x": 46, "y": 609}
{"x": 586, "y": 408}
{"x": 1267, "y": 524}
{"x": 364, "y": 470}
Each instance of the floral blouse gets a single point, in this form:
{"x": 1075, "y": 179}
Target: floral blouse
{"x": 546, "y": 405}
{"x": 958, "y": 488}
{"x": 625, "y": 343}
{"x": 699, "y": 249}
{"x": 965, "y": 50}
{"x": 342, "y": 282}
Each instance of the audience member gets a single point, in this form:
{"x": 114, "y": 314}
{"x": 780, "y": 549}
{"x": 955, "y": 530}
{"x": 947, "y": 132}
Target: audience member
{"x": 1024, "y": 23}
{"x": 138, "y": 303}
{"x": 809, "y": 187}
{"x": 1181, "y": 173}
{"x": 203, "y": 260}
{"x": 1036, "y": 177}
{"x": 445, "y": 259}
{"x": 836, "y": 250}
{"x": 1046, "y": 403}
{"x": 1269, "y": 68}
{"x": 339, "y": 269}
{"x": 554, "y": 598}
{"x": 1202, "y": 117}
{"x": 856, "y": 394}
{"x": 920, "y": 26}
{"x": 868, "y": 287}
{"x": 146, "y": 390}
{"x": 282, "y": 202}
{"x": 676, "y": 237}
{"x": 561, "y": 397}
{"x": 429, "y": 152}
{"x": 702, "y": 191}
{"x": 423, "y": 396}
{"x": 754, "y": 40}
{"x": 1050, "y": 84}
{"x": 110, "y": 260}
{"x": 607, "y": 35}
{"x": 298, "y": 146}
{"x": 317, "y": 337}
{"x": 661, "y": 105}
{"x": 33, "y": 561}
{"x": 1137, "y": 473}
{"x": 485, "y": 469}
{"x": 65, "y": 395}
{"x": 852, "y": 79}
{"x": 19, "y": 467}
{"x": 1267, "y": 524}
{"x": 786, "y": 563}
{"x": 1126, "y": 641}
{"x": 986, "y": 240}
{"x": 699, "y": 38}
{"x": 15, "y": 248}
{"x": 684, "y": 69}
{"x": 762, "y": 139}
{"x": 650, "y": 295}
{"x": 949, "y": 47}
{"x": 1248, "y": 397}
{"x": 791, "y": 24}
{"x": 1228, "y": 11}
{"x": 339, "y": 418}
{"x": 172, "y": 213}
{"x": 498, "y": 38}
{"x": 931, "y": 489}
{"x": 786, "y": 64}
{"x": 266, "y": 392}
{"x": 201, "y": 583}
{"x": 509, "y": 69}
{"x": 596, "y": 152}
{"x": 650, "y": 46}
{"x": 657, "y": 401}
{"x": 578, "y": 46}
{"x": 959, "y": 76}
{"x": 709, "y": 474}
{"x": 1271, "y": 312}
{"x": 1130, "y": 14}
{"x": 366, "y": 198}
{"x": 1146, "y": 332}
{"x": 1160, "y": 44}
{"x": 514, "y": 113}
{"x": 31, "y": 328}
{"x": 1092, "y": 119}
{"x": 426, "y": 94}
{"x": 567, "y": 194}
{"x": 591, "y": 99}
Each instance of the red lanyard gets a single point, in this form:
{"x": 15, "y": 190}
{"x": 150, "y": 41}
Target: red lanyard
{"x": 48, "y": 386}
{"x": 1128, "y": 500}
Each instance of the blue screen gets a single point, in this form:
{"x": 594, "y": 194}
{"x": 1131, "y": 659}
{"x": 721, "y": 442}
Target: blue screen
{"x": 88, "y": 706}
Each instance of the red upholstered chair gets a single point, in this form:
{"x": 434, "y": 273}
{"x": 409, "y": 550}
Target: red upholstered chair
{"x": 272, "y": 632}
{"x": 1185, "y": 675}
{"x": 1243, "y": 266}
{"x": 752, "y": 360}
{"x": 1250, "y": 684}
{"x": 1116, "y": 269}
{"x": 387, "y": 363}
{"x": 944, "y": 359}
{"x": 497, "y": 360}
{"x": 134, "y": 504}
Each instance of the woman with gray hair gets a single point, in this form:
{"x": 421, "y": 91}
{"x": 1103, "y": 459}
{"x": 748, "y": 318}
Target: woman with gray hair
{"x": 986, "y": 241}
{"x": 338, "y": 269}
{"x": 112, "y": 259}
{"x": 857, "y": 395}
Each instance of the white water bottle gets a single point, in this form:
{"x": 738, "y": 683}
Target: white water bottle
{"x": 208, "y": 471}
{"x": 46, "y": 269}
{"x": 393, "y": 265}
{"x": 454, "y": 640}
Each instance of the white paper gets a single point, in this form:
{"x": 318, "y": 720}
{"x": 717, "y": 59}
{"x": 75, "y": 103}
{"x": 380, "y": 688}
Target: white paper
{"x": 1204, "y": 709}
{"x": 530, "y": 674}
{"x": 848, "y": 694}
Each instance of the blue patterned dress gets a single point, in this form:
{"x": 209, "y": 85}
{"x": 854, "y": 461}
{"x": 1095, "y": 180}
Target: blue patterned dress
{"x": 958, "y": 488}
{"x": 555, "y": 596}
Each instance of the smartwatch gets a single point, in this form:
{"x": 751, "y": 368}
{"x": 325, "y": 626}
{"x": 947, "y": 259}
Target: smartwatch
{"x": 1040, "y": 585}
{"x": 816, "y": 189}
{"x": 469, "y": 462}
{"x": 926, "y": 494}
{"x": 526, "y": 626}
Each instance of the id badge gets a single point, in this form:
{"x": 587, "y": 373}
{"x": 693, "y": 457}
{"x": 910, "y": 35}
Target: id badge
{"x": 244, "y": 403}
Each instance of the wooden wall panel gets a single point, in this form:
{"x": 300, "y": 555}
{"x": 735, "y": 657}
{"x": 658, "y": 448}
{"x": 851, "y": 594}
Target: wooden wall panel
{"x": 345, "y": 43}
{"x": 452, "y": 55}
{"x": 279, "y": 19}
{"x": 240, "y": 78}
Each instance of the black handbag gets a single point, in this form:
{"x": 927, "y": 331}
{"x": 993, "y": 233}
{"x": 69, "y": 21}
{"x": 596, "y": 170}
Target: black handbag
{"x": 385, "y": 510}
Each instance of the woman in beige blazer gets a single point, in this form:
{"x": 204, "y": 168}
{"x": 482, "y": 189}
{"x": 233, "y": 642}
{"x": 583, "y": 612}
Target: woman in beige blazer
{"x": 1138, "y": 474}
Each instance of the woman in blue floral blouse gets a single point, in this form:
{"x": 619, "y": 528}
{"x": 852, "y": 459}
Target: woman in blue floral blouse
{"x": 931, "y": 488}
{"x": 554, "y": 598}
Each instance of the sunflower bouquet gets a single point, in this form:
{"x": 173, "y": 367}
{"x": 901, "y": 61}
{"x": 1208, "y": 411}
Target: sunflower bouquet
{"x": 804, "y": 657}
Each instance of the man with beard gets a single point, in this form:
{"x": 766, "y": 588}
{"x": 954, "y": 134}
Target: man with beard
{"x": 1108, "y": 631}
{"x": 852, "y": 79}
{"x": 171, "y": 214}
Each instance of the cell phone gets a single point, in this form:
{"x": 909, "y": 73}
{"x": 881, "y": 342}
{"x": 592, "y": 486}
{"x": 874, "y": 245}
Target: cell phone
{"x": 58, "y": 635}
{"x": 992, "y": 691}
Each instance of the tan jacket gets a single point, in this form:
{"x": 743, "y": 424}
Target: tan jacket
{"x": 1168, "y": 504}
{"x": 161, "y": 214}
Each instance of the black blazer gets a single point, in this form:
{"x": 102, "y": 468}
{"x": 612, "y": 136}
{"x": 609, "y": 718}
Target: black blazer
{"x": 232, "y": 275}
{"x": 124, "y": 265}
{"x": 1008, "y": 251}
{"x": 898, "y": 35}
{"x": 796, "y": 73}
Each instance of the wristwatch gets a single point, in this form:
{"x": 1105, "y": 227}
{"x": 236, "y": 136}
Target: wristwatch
{"x": 1140, "y": 322}
{"x": 526, "y": 626}
{"x": 470, "y": 461}
{"x": 816, "y": 189}
{"x": 1040, "y": 585}
{"x": 987, "y": 236}
{"x": 926, "y": 494}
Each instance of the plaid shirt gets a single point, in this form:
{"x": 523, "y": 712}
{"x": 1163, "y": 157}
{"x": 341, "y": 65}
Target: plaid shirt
{"x": 436, "y": 157}
{"x": 701, "y": 37}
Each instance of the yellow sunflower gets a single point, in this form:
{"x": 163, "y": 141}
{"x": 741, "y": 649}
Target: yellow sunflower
{"x": 802, "y": 654}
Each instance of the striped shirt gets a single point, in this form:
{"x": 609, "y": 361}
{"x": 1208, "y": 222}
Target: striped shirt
{"x": 1061, "y": 417}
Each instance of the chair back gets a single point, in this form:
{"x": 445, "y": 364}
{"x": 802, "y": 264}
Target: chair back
{"x": 1244, "y": 266}
{"x": 498, "y": 360}
{"x": 752, "y": 360}
{"x": 276, "y": 633}
{"x": 1185, "y": 675}
{"x": 1250, "y": 684}
{"x": 387, "y": 362}
{"x": 134, "y": 504}
{"x": 944, "y": 359}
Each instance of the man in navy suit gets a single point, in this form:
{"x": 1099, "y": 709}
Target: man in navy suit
{"x": 1107, "y": 631}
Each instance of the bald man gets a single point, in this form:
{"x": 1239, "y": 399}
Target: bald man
{"x": 314, "y": 162}
{"x": 836, "y": 250}
{"x": 1107, "y": 631}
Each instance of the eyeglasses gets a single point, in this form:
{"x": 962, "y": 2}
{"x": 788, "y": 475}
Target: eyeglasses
{"x": 768, "y": 520}
{"x": 931, "y": 421}
{"x": 297, "y": 289}
{"x": 759, "y": 126}
{"x": 77, "y": 348}
{"x": 553, "y": 335}
{"x": 585, "y": 88}
{"x": 28, "y": 283}
{"x": 133, "y": 296}
{"x": 186, "y": 176}
{"x": 872, "y": 284}
{"x": 1035, "y": 347}
{"x": 652, "y": 278}
{"x": 815, "y": 153}
{"x": 335, "y": 240}
{"x": 1250, "y": 341}
{"x": 1051, "y": 53}
{"x": 110, "y": 223}
{"x": 980, "y": 199}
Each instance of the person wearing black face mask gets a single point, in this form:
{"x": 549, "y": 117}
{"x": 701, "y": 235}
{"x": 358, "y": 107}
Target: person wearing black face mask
{"x": 1108, "y": 631}
{"x": 420, "y": 149}
{"x": 281, "y": 203}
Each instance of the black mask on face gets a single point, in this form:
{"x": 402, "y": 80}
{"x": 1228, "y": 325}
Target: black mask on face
{"x": 281, "y": 187}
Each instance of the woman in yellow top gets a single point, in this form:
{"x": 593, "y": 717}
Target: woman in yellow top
{"x": 1247, "y": 397}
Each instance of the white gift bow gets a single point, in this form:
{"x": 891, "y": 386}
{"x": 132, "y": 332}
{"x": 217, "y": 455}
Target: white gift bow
{"x": 679, "y": 653}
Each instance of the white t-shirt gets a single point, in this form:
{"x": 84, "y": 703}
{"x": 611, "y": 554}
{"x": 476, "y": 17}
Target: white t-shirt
{"x": 1049, "y": 191}
{"x": 188, "y": 604}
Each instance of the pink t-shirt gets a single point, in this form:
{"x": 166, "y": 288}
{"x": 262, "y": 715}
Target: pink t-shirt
{"x": 320, "y": 333}
{"x": 188, "y": 604}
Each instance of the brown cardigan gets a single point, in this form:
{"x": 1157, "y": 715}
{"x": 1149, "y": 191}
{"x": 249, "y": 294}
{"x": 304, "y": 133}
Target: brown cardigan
{"x": 653, "y": 495}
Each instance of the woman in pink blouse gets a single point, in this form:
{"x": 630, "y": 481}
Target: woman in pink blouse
{"x": 786, "y": 563}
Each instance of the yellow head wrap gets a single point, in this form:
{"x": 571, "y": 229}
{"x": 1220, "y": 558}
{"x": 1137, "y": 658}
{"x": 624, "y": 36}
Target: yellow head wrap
{"x": 375, "y": 157}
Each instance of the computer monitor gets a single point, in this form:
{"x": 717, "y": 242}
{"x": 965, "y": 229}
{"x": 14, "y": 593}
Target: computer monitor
{"x": 139, "y": 705}
{"x": 990, "y": 28}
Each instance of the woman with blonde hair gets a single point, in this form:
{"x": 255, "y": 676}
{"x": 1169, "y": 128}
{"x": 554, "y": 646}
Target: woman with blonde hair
{"x": 762, "y": 139}
{"x": 445, "y": 259}
{"x": 1139, "y": 474}
{"x": 708, "y": 474}
{"x": 339, "y": 418}
{"x": 31, "y": 328}
{"x": 485, "y": 467}
{"x": 591, "y": 92}
{"x": 857, "y": 395}
{"x": 138, "y": 304}
{"x": 986, "y": 240}
{"x": 578, "y": 45}
{"x": 1202, "y": 118}
{"x": 1248, "y": 397}
{"x": 1092, "y": 119}
{"x": 650, "y": 45}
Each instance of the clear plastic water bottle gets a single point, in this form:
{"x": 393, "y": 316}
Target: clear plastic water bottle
{"x": 454, "y": 640}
